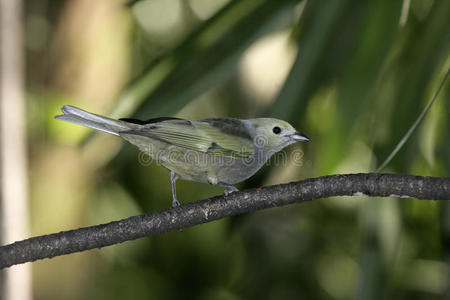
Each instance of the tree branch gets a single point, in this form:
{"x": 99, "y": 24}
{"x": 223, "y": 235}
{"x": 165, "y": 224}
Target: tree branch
{"x": 203, "y": 211}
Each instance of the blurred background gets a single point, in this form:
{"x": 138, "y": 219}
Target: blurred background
{"x": 352, "y": 75}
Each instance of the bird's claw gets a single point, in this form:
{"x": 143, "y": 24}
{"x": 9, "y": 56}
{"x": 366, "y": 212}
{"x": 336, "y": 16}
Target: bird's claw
{"x": 229, "y": 190}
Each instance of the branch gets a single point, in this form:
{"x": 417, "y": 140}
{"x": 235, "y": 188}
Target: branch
{"x": 203, "y": 211}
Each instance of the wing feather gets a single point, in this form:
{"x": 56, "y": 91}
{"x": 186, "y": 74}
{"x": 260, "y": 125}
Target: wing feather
{"x": 202, "y": 136}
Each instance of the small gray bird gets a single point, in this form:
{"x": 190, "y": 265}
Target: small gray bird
{"x": 219, "y": 151}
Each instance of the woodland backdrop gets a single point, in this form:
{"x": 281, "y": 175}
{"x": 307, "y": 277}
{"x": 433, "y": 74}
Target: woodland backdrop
{"x": 352, "y": 75}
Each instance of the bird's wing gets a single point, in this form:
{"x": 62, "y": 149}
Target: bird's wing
{"x": 221, "y": 137}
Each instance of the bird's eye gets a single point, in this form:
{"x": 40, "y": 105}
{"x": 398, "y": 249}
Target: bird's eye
{"x": 276, "y": 130}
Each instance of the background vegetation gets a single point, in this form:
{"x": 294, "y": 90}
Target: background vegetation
{"x": 352, "y": 75}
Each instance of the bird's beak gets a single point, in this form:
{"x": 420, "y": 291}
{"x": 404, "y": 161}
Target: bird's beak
{"x": 299, "y": 137}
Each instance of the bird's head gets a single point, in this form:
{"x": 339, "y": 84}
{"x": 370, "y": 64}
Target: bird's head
{"x": 273, "y": 134}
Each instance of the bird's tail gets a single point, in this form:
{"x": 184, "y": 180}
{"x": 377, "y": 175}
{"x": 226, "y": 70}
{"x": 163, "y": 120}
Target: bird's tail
{"x": 78, "y": 116}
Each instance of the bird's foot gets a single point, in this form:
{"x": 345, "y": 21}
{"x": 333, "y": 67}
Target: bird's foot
{"x": 175, "y": 203}
{"x": 230, "y": 189}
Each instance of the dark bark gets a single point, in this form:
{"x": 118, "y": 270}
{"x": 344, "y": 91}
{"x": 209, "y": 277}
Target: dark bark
{"x": 203, "y": 211}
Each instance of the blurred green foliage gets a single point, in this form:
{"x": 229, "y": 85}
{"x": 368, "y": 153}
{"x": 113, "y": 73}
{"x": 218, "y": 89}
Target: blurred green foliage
{"x": 352, "y": 75}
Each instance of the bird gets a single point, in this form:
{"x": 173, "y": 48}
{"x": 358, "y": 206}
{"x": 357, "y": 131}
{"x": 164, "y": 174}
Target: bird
{"x": 217, "y": 151}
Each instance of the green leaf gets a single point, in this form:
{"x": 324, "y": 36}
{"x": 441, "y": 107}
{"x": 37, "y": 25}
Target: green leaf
{"x": 318, "y": 21}
{"x": 203, "y": 60}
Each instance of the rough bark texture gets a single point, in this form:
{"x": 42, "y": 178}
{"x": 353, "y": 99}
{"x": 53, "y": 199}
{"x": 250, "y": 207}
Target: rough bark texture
{"x": 194, "y": 213}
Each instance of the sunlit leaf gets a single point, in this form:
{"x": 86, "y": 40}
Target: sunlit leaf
{"x": 204, "y": 59}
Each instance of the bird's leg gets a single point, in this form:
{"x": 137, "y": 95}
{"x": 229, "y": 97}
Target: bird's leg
{"x": 228, "y": 188}
{"x": 173, "y": 179}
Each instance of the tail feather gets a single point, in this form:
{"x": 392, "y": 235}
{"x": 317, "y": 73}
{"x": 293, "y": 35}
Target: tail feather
{"x": 78, "y": 116}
